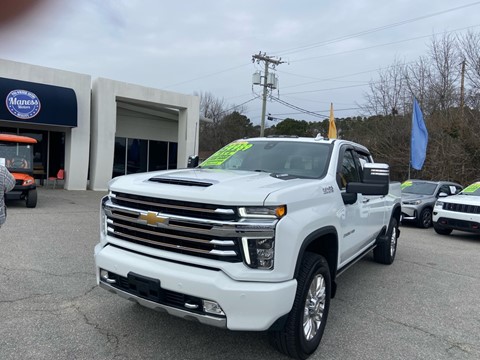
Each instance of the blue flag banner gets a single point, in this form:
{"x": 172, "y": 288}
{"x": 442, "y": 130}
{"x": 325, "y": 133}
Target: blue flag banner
{"x": 419, "y": 141}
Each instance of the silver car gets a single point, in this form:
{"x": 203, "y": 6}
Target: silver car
{"x": 419, "y": 196}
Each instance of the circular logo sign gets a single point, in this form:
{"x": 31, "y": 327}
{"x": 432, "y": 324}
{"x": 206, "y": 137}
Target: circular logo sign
{"x": 23, "y": 104}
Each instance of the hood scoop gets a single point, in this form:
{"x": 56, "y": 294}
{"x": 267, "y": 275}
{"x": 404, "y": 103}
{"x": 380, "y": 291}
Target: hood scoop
{"x": 182, "y": 182}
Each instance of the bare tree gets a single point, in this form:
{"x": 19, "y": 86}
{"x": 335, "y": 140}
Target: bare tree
{"x": 222, "y": 123}
{"x": 446, "y": 61}
{"x": 417, "y": 76}
{"x": 470, "y": 51}
{"x": 387, "y": 93}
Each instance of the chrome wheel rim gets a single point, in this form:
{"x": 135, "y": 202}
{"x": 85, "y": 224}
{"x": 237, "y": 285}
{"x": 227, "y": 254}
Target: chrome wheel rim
{"x": 314, "y": 307}
{"x": 393, "y": 241}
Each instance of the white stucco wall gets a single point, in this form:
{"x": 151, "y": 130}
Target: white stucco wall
{"x": 104, "y": 124}
{"x": 77, "y": 140}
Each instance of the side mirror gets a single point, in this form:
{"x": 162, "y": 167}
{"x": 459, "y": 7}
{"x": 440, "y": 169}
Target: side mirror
{"x": 443, "y": 194}
{"x": 349, "y": 198}
{"x": 192, "y": 161}
{"x": 376, "y": 180}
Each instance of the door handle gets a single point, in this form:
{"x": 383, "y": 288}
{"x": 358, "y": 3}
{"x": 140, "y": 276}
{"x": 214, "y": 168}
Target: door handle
{"x": 365, "y": 201}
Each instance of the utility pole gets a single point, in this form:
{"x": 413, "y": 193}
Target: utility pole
{"x": 268, "y": 82}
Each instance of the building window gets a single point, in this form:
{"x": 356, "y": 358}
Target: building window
{"x": 158, "y": 155}
{"x": 119, "y": 157}
{"x": 172, "y": 155}
{"x": 137, "y": 155}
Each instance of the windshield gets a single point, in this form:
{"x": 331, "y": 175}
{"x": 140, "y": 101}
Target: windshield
{"x": 473, "y": 189}
{"x": 418, "y": 187}
{"x": 298, "y": 159}
{"x": 16, "y": 157}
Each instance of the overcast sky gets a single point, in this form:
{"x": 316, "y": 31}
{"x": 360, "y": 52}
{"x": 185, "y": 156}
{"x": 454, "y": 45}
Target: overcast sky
{"x": 331, "y": 49}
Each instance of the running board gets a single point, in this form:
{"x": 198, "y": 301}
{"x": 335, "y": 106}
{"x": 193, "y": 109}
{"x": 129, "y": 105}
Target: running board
{"x": 346, "y": 266}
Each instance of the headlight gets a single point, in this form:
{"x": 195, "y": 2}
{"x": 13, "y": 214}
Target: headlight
{"x": 412, "y": 202}
{"x": 439, "y": 204}
{"x": 266, "y": 212}
{"x": 27, "y": 182}
{"x": 103, "y": 217}
{"x": 259, "y": 252}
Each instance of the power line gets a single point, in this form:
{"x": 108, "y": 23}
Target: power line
{"x": 367, "y": 71}
{"x": 304, "y": 111}
{"x": 328, "y": 89}
{"x": 205, "y": 76}
{"x": 370, "y": 31}
{"x": 317, "y": 111}
{"x": 237, "y": 106}
{"x": 384, "y": 44}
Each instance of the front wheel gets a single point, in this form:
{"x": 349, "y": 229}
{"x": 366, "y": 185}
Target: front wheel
{"x": 385, "y": 252}
{"x": 31, "y": 198}
{"x": 441, "y": 230}
{"x": 306, "y": 321}
{"x": 425, "y": 218}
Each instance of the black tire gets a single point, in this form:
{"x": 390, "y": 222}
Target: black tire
{"x": 425, "y": 218}
{"x": 31, "y": 198}
{"x": 292, "y": 340}
{"x": 440, "y": 230}
{"x": 385, "y": 252}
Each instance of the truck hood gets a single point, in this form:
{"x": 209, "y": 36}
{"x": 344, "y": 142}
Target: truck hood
{"x": 216, "y": 186}
{"x": 462, "y": 199}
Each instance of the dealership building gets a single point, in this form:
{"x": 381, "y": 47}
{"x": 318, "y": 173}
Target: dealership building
{"x": 95, "y": 129}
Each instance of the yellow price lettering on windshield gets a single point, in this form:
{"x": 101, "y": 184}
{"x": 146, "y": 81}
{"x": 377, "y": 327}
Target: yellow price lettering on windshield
{"x": 472, "y": 188}
{"x": 226, "y": 153}
{"x": 406, "y": 184}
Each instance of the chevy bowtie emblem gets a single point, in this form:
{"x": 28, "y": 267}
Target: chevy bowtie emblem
{"x": 153, "y": 218}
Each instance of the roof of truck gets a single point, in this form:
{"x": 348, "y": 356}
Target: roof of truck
{"x": 294, "y": 138}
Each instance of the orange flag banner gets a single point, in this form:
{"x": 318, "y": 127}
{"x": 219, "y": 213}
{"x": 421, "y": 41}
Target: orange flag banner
{"x": 332, "y": 129}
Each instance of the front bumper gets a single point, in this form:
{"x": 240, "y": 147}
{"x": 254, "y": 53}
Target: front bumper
{"x": 247, "y": 305}
{"x": 409, "y": 212}
{"x": 458, "y": 223}
{"x": 19, "y": 191}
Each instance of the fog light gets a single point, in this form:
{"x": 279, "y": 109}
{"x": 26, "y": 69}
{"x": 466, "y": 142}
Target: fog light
{"x": 104, "y": 274}
{"x": 212, "y": 307}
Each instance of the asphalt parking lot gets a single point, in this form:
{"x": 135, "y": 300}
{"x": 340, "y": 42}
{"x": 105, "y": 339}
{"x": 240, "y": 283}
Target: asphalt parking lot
{"x": 424, "y": 306}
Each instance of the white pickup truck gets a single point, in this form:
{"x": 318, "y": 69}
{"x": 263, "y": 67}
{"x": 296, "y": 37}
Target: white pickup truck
{"x": 253, "y": 238}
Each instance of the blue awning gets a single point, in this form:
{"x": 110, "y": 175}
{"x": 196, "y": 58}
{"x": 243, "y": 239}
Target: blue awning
{"x": 34, "y": 103}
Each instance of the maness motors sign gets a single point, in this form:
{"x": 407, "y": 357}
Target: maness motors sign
{"x": 36, "y": 103}
{"x": 23, "y": 104}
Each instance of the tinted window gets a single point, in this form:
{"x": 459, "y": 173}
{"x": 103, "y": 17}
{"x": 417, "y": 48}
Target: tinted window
{"x": 418, "y": 187}
{"x": 473, "y": 189}
{"x": 348, "y": 171}
{"x": 279, "y": 157}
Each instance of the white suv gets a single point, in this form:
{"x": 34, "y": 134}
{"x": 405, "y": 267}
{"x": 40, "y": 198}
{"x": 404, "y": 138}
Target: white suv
{"x": 458, "y": 212}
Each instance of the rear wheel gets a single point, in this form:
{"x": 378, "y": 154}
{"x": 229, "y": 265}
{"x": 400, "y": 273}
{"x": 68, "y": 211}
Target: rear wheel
{"x": 425, "y": 218}
{"x": 441, "y": 230}
{"x": 31, "y": 198}
{"x": 385, "y": 252}
{"x": 306, "y": 321}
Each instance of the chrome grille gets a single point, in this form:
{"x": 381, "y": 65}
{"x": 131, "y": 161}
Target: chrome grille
{"x": 174, "y": 207}
{"x": 464, "y": 208}
{"x": 203, "y": 230}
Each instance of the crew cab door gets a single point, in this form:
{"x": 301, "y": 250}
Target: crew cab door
{"x": 355, "y": 221}
{"x": 376, "y": 203}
